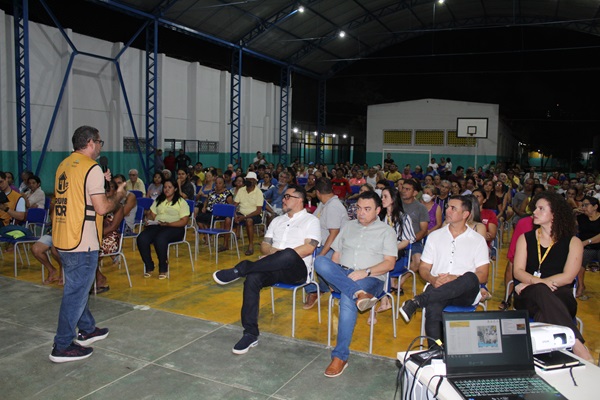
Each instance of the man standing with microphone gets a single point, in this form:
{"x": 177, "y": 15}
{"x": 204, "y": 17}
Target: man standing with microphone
{"x": 81, "y": 203}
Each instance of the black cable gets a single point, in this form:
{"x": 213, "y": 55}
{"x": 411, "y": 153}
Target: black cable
{"x": 436, "y": 387}
{"x": 572, "y": 377}
{"x": 404, "y": 369}
{"x": 423, "y": 363}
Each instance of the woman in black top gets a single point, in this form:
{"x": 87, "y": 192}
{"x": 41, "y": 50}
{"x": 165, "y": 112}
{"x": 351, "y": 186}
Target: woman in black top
{"x": 546, "y": 263}
{"x": 589, "y": 234}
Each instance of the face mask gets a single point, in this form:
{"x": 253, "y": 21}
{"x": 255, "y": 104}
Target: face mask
{"x": 426, "y": 198}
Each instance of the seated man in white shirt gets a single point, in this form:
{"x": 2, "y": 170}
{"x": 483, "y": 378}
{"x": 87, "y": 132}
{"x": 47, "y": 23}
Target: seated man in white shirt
{"x": 286, "y": 254}
{"x": 455, "y": 263}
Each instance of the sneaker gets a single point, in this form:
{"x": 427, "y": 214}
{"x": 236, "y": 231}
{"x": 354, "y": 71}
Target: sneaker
{"x": 408, "y": 309}
{"x": 85, "y": 339}
{"x": 225, "y": 276}
{"x": 74, "y": 352}
{"x": 246, "y": 342}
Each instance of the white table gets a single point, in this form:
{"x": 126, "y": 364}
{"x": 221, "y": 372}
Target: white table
{"x": 587, "y": 378}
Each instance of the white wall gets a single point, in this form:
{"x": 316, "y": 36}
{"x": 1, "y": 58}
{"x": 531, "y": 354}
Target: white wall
{"x": 431, "y": 114}
{"x": 193, "y": 99}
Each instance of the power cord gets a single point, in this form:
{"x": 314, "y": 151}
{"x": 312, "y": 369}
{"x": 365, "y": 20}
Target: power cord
{"x": 402, "y": 370}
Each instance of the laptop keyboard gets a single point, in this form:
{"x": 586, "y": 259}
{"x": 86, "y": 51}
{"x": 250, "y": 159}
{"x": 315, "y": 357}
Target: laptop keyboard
{"x": 511, "y": 385}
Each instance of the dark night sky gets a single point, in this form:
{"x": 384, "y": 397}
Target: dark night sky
{"x": 545, "y": 80}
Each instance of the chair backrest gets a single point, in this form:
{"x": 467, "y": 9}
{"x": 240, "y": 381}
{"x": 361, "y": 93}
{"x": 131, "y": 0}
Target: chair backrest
{"x": 139, "y": 215}
{"x": 223, "y": 210}
{"x": 403, "y": 263}
{"x": 355, "y": 189}
{"x": 311, "y": 267}
{"x": 36, "y": 217}
{"x": 302, "y": 181}
{"x": 138, "y": 193}
{"x": 192, "y": 205}
{"x": 47, "y": 203}
{"x": 144, "y": 203}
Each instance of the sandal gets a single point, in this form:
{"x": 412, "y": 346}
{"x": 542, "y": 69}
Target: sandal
{"x": 369, "y": 321}
{"x": 147, "y": 274}
{"x": 249, "y": 252}
{"x": 100, "y": 289}
{"x": 504, "y": 305}
{"x": 223, "y": 248}
{"x": 163, "y": 275}
{"x": 583, "y": 297}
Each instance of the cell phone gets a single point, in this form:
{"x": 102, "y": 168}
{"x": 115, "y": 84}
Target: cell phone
{"x": 3, "y": 198}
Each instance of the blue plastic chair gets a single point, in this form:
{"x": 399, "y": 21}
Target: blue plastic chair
{"x": 119, "y": 251}
{"x": 310, "y": 279}
{"x": 301, "y": 181}
{"x": 224, "y": 211}
{"x": 450, "y": 309}
{"x": 35, "y": 218}
{"x": 402, "y": 267}
{"x": 138, "y": 193}
{"x": 337, "y": 295}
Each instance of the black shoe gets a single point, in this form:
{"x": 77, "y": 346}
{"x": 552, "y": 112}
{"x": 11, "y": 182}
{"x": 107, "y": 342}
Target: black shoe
{"x": 74, "y": 352}
{"x": 246, "y": 342}
{"x": 408, "y": 309}
{"x": 85, "y": 339}
{"x": 225, "y": 276}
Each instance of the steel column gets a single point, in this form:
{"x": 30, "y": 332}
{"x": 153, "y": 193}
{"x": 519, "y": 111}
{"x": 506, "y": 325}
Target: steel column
{"x": 321, "y": 120}
{"x": 284, "y": 130}
{"x": 151, "y": 96}
{"x": 235, "y": 105}
{"x": 23, "y": 100}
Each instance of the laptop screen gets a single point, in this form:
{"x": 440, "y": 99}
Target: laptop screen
{"x": 487, "y": 342}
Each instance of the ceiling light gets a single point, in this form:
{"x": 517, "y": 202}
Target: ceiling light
{"x": 342, "y": 34}
{"x": 295, "y": 130}
{"x": 301, "y": 9}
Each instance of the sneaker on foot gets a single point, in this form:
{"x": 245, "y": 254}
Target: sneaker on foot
{"x": 408, "y": 309}
{"x": 246, "y": 342}
{"x": 74, "y": 352}
{"x": 225, "y": 276}
{"x": 311, "y": 300}
{"x": 85, "y": 339}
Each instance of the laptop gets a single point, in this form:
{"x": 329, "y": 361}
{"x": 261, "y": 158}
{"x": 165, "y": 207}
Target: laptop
{"x": 489, "y": 356}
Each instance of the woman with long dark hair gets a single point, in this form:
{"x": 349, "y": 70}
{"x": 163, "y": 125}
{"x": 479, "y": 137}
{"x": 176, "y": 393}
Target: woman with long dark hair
{"x": 546, "y": 263}
{"x": 167, "y": 218}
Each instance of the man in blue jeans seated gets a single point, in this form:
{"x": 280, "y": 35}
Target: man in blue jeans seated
{"x": 286, "y": 254}
{"x": 455, "y": 263}
{"x": 364, "y": 251}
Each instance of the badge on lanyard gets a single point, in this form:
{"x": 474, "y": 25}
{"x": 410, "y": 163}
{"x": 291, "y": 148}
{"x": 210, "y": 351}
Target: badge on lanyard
{"x": 537, "y": 274}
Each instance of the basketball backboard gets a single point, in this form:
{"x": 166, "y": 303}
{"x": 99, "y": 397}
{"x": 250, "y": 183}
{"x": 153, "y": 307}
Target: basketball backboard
{"x": 472, "y": 128}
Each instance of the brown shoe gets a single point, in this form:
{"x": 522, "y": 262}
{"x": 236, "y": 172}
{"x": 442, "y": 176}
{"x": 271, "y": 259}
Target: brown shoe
{"x": 365, "y": 300}
{"x": 336, "y": 368}
{"x": 311, "y": 300}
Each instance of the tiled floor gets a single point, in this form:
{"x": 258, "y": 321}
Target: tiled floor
{"x": 172, "y": 339}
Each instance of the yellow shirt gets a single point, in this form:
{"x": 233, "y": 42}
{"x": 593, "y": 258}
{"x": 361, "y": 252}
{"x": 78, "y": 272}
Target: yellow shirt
{"x": 168, "y": 212}
{"x": 393, "y": 176}
{"x": 201, "y": 176}
{"x": 249, "y": 201}
{"x": 138, "y": 185}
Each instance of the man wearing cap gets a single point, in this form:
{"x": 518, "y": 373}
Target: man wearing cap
{"x": 249, "y": 201}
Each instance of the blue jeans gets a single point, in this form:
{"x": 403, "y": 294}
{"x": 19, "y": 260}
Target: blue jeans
{"x": 323, "y": 286}
{"x": 337, "y": 277}
{"x": 79, "y": 270}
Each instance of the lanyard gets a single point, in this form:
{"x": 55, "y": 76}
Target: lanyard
{"x": 539, "y": 251}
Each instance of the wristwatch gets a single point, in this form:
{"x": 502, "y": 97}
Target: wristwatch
{"x": 368, "y": 271}
{"x": 589, "y": 241}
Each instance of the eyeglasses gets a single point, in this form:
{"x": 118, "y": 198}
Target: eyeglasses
{"x": 100, "y": 142}
{"x": 287, "y": 196}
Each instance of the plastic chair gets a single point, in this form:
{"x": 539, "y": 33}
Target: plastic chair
{"x": 219, "y": 210}
{"x": 451, "y": 309}
{"x": 138, "y": 193}
{"x": 310, "y": 278}
{"x": 35, "y": 218}
{"x": 138, "y": 222}
{"x": 301, "y": 181}
{"x": 263, "y": 221}
{"x": 119, "y": 251}
{"x": 190, "y": 225}
{"x": 402, "y": 267}
{"x": 337, "y": 295}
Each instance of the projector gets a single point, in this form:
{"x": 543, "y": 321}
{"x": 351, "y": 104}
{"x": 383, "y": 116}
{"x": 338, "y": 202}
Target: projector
{"x": 546, "y": 337}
